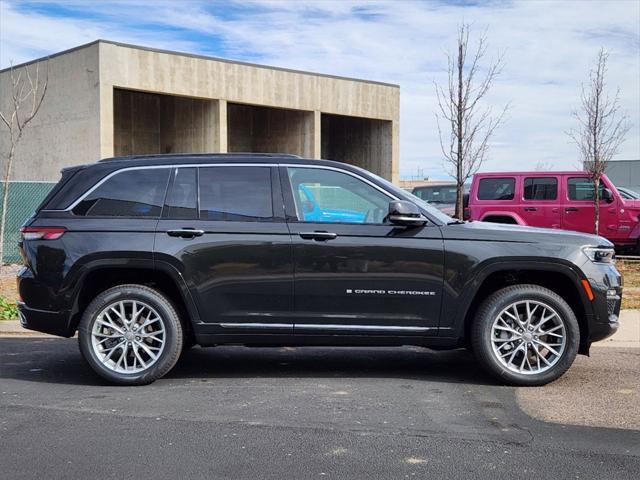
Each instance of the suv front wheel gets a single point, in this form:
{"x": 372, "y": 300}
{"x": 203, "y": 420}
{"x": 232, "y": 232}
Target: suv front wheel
{"x": 130, "y": 335}
{"x": 526, "y": 335}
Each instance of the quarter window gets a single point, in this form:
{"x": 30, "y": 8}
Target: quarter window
{"x": 235, "y": 193}
{"x": 131, "y": 193}
{"x": 581, "y": 189}
{"x": 328, "y": 196}
{"x": 496, "y": 189}
{"x": 542, "y": 188}
{"x": 183, "y": 198}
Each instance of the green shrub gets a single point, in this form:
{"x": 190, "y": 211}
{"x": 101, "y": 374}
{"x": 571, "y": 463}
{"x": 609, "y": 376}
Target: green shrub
{"x": 8, "y": 310}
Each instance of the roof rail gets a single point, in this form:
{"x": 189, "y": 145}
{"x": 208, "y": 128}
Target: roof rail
{"x": 201, "y": 155}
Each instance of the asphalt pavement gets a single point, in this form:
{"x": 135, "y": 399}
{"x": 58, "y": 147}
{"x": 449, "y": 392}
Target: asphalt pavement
{"x": 236, "y": 412}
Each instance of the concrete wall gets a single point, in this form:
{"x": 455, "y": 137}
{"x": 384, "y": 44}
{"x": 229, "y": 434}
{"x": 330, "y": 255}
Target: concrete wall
{"x": 151, "y": 123}
{"x": 263, "y": 129}
{"x": 625, "y": 173}
{"x": 66, "y": 130}
{"x": 362, "y": 142}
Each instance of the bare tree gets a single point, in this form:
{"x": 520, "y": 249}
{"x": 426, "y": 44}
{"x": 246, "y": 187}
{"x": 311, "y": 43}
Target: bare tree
{"x": 468, "y": 125}
{"x": 27, "y": 93}
{"x": 543, "y": 166}
{"x": 602, "y": 127}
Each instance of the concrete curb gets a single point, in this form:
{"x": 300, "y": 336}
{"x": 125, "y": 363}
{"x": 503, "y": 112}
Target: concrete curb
{"x": 627, "y": 336}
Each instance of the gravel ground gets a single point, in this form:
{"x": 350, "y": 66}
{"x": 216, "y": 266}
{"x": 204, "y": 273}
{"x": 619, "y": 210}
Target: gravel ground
{"x": 599, "y": 391}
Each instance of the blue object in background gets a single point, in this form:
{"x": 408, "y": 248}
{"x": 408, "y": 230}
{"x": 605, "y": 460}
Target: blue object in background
{"x": 312, "y": 212}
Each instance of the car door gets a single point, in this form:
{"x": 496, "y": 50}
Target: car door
{"x": 579, "y": 211}
{"x": 223, "y": 229}
{"x": 540, "y": 204}
{"x": 354, "y": 273}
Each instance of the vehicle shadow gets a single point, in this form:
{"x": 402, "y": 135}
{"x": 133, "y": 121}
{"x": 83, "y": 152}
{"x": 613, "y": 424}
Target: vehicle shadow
{"x": 59, "y": 361}
{"x": 455, "y": 366}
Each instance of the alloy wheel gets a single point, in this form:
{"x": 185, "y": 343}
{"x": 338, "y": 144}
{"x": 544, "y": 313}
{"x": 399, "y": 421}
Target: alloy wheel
{"x": 128, "y": 336}
{"x": 528, "y": 337}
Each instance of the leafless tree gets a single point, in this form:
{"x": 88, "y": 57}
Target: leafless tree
{"x": 543, "y": 166}
{"x": 464, "y": 125}
{"x": 27, "y": 92}
{"x": 602, "y": 127}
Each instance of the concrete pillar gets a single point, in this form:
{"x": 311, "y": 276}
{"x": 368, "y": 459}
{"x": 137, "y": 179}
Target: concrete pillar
{"x": 106, "y": 121}
{"x": 395, "y": 153}
{"x": 317, "y": 135}
{"x": 221, "y": 127}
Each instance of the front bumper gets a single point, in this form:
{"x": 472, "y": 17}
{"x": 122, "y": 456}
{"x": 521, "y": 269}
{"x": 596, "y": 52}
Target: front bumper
{"x": 606, "y": 283}
{"x": 54, "y": 323}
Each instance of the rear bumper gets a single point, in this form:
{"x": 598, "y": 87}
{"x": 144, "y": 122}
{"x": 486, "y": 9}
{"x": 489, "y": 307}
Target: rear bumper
{"x": 54, "y": 323}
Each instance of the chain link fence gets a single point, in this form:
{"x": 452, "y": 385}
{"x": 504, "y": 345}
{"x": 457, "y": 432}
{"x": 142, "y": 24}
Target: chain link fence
{"x": 24, "y": 197}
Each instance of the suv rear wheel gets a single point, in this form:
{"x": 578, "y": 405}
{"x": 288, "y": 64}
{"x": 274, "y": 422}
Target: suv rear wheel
{"x": 525, "y": 335}
{"x": 130, "y": 335}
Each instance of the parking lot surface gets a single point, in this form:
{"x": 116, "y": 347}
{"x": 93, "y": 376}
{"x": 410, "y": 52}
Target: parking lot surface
{"x": 235, "y": 412}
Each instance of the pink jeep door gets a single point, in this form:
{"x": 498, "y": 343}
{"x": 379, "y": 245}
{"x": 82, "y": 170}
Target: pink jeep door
{"x": 540, "y": 205}
{"x": 578, "y": 211}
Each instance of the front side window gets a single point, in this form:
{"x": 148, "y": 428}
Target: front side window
{"x": 235, "y": 193}
{"x": 328, "y": 196}
{"x": 581, "y": 189}
{"x": 130, "y": 193}
{"x": 497, "y": 189}
{"x": 542, "y": 188}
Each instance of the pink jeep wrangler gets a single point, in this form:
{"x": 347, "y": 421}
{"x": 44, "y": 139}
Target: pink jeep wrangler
{"x": 555, "y": 200}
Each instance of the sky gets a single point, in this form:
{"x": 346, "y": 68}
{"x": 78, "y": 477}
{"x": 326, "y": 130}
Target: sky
{"x": 548, "y": 49}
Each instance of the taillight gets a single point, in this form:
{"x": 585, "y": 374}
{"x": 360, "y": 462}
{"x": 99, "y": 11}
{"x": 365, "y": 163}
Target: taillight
{"x": 42, "y": 233}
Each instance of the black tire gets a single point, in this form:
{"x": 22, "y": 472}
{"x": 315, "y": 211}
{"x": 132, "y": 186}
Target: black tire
{"x": 481, "y": 334}
{"x": 172, "y": 330}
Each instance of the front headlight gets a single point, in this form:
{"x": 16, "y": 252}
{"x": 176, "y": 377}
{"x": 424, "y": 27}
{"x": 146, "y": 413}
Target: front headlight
{"x": 600, "y": 254}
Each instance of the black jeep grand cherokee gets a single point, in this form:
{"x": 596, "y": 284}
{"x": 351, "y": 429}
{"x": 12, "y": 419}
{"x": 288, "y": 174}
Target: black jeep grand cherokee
{"x": 147, "y": 256}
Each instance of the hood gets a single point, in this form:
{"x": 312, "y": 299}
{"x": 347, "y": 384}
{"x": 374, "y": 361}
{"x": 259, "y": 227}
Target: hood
{"x": 521, "y": 234}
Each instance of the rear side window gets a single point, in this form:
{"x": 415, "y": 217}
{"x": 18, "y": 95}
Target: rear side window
{"x": 581, "y": 189}
{"x": 496, "y": 189}
{"x": 130, "y": 193}
{"x": 542, "y": 188}
{"x": 235, "y": 193}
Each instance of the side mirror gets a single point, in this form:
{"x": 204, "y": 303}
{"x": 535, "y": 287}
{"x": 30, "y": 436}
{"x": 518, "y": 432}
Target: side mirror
{"x": 402, "y": 212}
{"x": 607, "y": 195}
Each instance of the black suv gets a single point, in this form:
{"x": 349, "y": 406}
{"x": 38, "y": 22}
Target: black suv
{"x": 147, "y": 256}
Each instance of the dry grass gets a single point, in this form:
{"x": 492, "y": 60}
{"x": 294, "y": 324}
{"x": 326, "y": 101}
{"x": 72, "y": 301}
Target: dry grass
{"x": 631, "y": 274}
{"x": 8, "y": 282}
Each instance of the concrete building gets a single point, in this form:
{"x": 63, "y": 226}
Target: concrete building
{"x": 625, "y": 173}
{"x": 107, "y": 99}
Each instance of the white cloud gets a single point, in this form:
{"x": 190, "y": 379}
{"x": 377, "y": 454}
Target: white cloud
{"x": 549, "y": 48}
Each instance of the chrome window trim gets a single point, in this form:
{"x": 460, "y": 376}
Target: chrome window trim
{"x": 323, "y": 326}
{"x": 150, "y": 167}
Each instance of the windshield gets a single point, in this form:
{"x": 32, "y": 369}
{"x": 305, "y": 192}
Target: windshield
{"x": 433, "y": 211}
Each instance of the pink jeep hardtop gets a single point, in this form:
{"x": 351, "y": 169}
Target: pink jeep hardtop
{"x": 555, "y": 200}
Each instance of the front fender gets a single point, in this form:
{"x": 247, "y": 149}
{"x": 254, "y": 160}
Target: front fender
{"x": 460, "y": 295}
